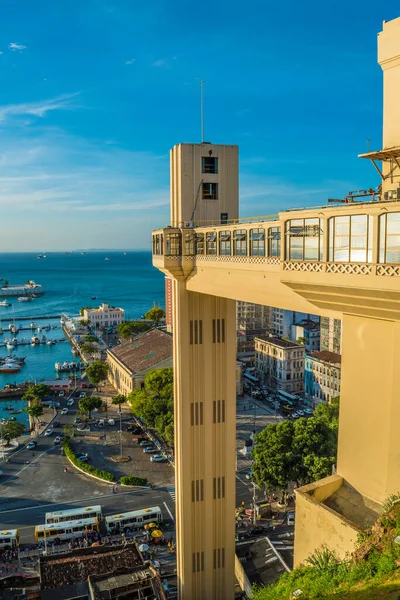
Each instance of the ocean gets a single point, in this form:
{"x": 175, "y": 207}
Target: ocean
{"x": 70, "y": 281}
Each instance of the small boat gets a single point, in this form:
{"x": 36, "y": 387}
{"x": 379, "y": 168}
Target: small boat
{"x": 24, "y": 299}
{"x": 15, "y": 412}
{"x": 5, "y": 303}
{"x": 75, "y": 352}
{"x": 9, "y": 346}
{"x": 107, "y": 258}
{"x": 44, "y": 339}
{"x": 35, "y": 340}
{"x": 32, "y": 325}
{"x": 15, "y": 341}
{"x": 93, "y": 297}
{"x": 40, "y": 256}
{"x": 8, "y": 408}
{"x": 38, "y": 329}
{"x": 124, "y": 253}
{"x": 10, "y": 367}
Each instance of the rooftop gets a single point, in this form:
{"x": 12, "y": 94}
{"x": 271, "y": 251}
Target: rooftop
{"x": 278, "y": 341}
{"x": 327, "y": 356}
{"x": 266, "y": 564}
{"x": 144, "y": 351}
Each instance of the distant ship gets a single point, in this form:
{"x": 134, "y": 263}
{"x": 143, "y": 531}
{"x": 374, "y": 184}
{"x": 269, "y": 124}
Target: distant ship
{"x": 107, "y": 259}
{"x": 26, "y": 289}
{"x": 83, "y": 253}
{"x": 124, "y": 253}
{"x": 5, "y": 303}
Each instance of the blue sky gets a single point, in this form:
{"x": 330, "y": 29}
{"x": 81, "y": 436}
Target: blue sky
{"x": 93, "y": 93}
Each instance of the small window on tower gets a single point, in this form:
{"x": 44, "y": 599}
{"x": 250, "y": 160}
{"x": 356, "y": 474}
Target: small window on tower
{"x": 210, "y": 191}
{"x": 209, "y": 164}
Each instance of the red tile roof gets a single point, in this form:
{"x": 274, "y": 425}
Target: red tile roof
{"x": 144, "y": 351}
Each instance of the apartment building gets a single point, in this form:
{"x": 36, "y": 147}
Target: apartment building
{"x": 322, "y": 376}
{"x": 251, "y": 320}
{"x": 309, "y": 332}
{"x": 281, "y": 321}
{"x": 280, "y": 364}
{"x": 331, "y": 335}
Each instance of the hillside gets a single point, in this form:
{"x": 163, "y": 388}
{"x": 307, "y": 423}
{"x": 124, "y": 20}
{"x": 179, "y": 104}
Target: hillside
{"x": 371, "y": 573}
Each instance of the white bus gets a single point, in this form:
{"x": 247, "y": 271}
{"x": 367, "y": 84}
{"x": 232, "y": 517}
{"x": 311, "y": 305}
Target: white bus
{"x": 9, "y": 539}
{"x": 135, "y": 518}
{"x": 74, "y": 514}
{"x": 65, "y": 530}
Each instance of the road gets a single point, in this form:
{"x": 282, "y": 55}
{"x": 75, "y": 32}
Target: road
{"x": 35, "y": 483}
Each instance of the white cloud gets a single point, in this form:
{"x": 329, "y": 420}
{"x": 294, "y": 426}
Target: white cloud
{"x": 161, "y": 62}
{"x": 38, "y": 109}
{"x": 130, "y": 61}
{"x": 14, "y": 47}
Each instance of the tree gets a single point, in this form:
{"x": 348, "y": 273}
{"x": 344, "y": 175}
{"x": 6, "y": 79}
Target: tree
{"x": 118, "y": 400}
{"x": 97, "y": 372}
{"x": 132, "y": 328}
{"x": 89, "y": 338}
{"x": 39, "y": 390}
{"x": 301, "y": 452}
{"x": 154, "y": 404}
{"x": 12, "y": 430}
{"x": 88, "y": 349}
{"x": 155, "y": 314}
{"x": 34, "y": 410}
{"x": 85, "y": 308}
{"x": 302, "y": 341}
{"x": 86, "y": 405}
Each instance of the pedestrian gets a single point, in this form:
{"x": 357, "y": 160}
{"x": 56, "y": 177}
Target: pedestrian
{"x": 114, "y": 492}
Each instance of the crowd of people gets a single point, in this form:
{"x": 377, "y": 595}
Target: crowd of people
{"x": 8, "y": 561}
{"x": 91, "y": 538}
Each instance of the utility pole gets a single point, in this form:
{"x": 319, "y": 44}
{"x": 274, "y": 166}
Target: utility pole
{"x": 120, "y": 429}
{"x": 254, "y": 505}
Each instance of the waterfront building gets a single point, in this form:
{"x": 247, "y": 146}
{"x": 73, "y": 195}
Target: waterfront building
{"x": 308, "y": 332}
{"x": 331, "y": 335}
{"x": 280, "y": 364}
{"x": 322, "y": 376}
{"x": 130, "y": 362}
{"x": 251, "y": 320}
{"x": 104, "y": 316}
{"x": 341, "y": 262}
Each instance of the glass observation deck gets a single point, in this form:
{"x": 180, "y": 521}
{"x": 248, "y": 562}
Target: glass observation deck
{"x": 358, "y": 239}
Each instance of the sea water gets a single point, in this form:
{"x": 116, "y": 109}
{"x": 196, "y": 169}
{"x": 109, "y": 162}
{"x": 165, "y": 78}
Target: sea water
{"x": 70, "y": 282}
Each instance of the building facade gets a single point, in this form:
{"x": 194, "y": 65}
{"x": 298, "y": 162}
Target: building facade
{"x": 104, "y": 316}
{"x": 280, "y": 364}
{"x": 309, "y": 332}
{"x": 251, "y": 320}
{"x": 168, "y": 304}
{"x": 331, "y": 335}
{"x": 281, "y": 321}
{"x": 322, "y": 376}
{"x": 130, "y": 362}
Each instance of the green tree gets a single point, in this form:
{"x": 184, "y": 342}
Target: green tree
{"x": 160, "y": 382}
{"x": 89, "y": 349}
{"x": 302, "y": 341}
{"x": 301, "y": 452}
{"x": 97, "y": 372}
{"x": 118, "y": 400}
{"x": 90, "y": 338}
{"x": 155, "y": 314}
{"x": 132, "y": 328}
{"x": 85, "y": 308}
{"x": 39, "y": 390}
{"x": 329, "y": 412}
{"x": 68, "y": 430}
{"x": 12, "y": 430}
{"x": 86, "y": 405}
{"x": 34, "y": 410}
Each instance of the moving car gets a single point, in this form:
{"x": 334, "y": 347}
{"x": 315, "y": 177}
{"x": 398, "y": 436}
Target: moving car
{"x": 70, "y": 402}
{"x": 158, "y": 458}
{"x": 32, "y": 445}
{"x": 48, "y": 432}
{"x": 56, "y": 424}
{"x": 61, "y": 394}
{"x": 111, "y": 422}
{"x": 290, "y": 518}
{"x": 82, "y": 395}
{"x": 57, "y": 440}
{"x": 64, "y": 411}
{"x": 101, "y": 423}
{"x": 150, "y": 449}
{"x": 82, "y": 458}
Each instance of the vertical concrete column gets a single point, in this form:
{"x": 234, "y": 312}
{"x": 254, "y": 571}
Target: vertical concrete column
{"x": 205, "y": 425}
{"x": 369, "y": 440}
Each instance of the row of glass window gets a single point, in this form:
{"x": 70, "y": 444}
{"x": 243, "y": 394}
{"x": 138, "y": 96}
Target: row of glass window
{"x": 350, "y": 240}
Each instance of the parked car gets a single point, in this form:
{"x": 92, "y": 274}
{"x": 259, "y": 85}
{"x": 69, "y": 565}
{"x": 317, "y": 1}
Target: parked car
{"x": 136, "y": 431}
{"x": 70, "y": 402}
{"x": 158, "y": 458}
{"x": 83, "y": 385}
{"x": 54, "y": 405}
{"x": 132, "y": 427}
{"x": 77, "y": 420}
{"x": 249, "y": 475}
{"x": 57, "y": 440}
{"x": 83, "y": 458}
{"x": 55, "y": 424}
{"x": 295, "y": 415}
{"x": 308, "y": 411}
{"x": 82, "y": 395}
{"x": 101, "y": 423}
{"x": 32, "y": 445}
{"x": 111, "y": 422}
{"x": 61, "y": 394}
{"x": 290, "y": 518}
{"x": 64, "y": 411}
{"x": 150, "y": 449}
{"x": 144, "y": 443}
{"x": 300, "y": 413}
{"x": 48, "y": 432}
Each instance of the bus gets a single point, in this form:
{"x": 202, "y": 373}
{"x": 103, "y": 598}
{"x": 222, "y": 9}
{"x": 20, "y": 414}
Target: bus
{"x": 135, "y": 518}
{"x": 9, "y": 539}
{"x": 65, "y": 530}
{"x": 74, "y": 514}
{"x": 288, "y": 398}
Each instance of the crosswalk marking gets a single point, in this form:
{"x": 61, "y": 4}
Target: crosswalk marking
{"x": 171, "y": 491}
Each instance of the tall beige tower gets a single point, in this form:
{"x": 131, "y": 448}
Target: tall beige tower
{"x": 204, "y": 187}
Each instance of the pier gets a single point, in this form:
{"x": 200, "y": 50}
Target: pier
{"x": 33, "y": 318}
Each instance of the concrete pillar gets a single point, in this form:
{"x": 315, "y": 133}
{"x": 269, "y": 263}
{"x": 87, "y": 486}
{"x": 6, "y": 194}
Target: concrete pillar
{"x": 205, "y": 415}
{"x": 369, "y": 439}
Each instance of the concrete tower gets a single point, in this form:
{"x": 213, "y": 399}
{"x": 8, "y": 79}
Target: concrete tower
{"x": 204, "y": 187}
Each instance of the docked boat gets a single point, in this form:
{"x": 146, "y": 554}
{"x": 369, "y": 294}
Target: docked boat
{"x": 1, "y": 329}
{"x": 44, "y": 339}
{"x": 35, "y": 340}
{"x": 38, "y": 329}
{"x": 32, "y": 325}
{"x": 5, "y": 303}
{"x": 15, "y": 341}
{"x": 51, "y": 342}
{"x": 14, "y": 329}
{"x": 10, "y": 367}
{"x": 24, "y": 299}
{"x": 75, "y": 352}
{"x": 8, "y": 408}
{"x": 15, "y": 412}
{"x": 10, "y": 346}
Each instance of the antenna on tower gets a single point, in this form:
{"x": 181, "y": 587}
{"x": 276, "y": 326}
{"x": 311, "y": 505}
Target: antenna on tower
{"x": 202, "y": 110}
